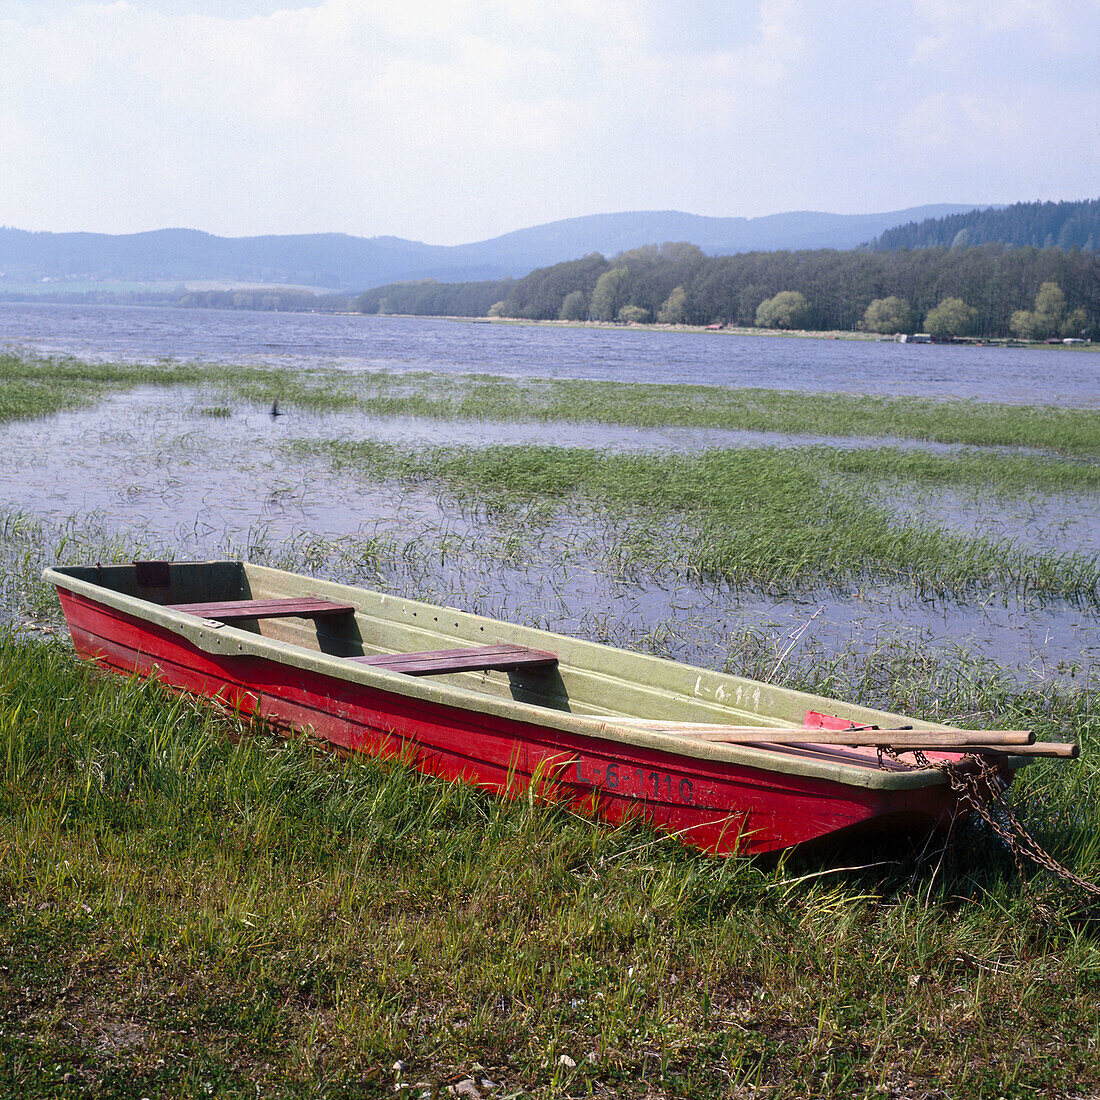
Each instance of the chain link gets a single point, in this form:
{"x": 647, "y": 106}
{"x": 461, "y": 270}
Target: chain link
{"x": 979, "y": 786}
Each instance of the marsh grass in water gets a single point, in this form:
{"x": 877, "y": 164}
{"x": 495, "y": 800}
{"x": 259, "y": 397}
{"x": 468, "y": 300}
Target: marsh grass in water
{"x": 31, "y": 387}
{"x": 588, "y": 574}
{"x": 997, "y": 475}
{"x": 34, "y": 387}
{"x": 193, "y": 907}
{"x": 778, "y": 520}
{"x": 482, "y": 397}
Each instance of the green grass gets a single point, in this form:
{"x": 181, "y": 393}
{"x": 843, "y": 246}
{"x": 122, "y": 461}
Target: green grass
{"x": 189, "y": 906}
{"x": 648, "y": 405}
{"x": 35, "y": 387}
{"x": 192, "y": 907}
{"x": 992, "y": 475}
{"x": 32, "y": 387}
{"x": 787, "y": 412}
{"x": 773, "y": 519}
{"x": 29, "y": 543}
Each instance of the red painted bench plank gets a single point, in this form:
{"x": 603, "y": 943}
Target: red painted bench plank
{"x": 471, "y": 659}
{"x": 308, "y": 607}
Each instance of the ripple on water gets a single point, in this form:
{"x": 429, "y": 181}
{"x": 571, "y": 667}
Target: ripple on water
{"x": 147, "y": 463}
{"x": 357, "y": 343}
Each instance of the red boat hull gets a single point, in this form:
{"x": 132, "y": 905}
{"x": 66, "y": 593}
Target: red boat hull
{"x": 716, "y": 806}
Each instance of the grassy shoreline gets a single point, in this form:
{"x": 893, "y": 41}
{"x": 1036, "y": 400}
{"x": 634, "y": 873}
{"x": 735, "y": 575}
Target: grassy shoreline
{"x": 747, "y": 330}
{"x": 191, "y": 907}
{"x": 195, "y": 907}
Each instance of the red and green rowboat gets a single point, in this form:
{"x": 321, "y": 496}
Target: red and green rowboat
{"x": 727, "y": 764}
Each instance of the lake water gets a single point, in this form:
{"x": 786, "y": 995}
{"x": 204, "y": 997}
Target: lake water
{"x": 147, "y": 467}
{"x": 147, "y": 471}
{"x": 356, "y": 343}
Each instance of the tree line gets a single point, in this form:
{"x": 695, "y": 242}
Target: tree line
{"x": 430, "y": 298}
{"x": 1039, "y": 224}
{"x": 959, "y": 291}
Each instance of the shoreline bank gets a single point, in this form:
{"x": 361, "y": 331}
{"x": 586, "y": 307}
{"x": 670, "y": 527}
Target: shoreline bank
{"x": 743, "y": 330}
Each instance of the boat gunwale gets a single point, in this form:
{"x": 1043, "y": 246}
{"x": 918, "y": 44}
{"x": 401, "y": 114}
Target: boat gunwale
{"x": 224, "y": 639}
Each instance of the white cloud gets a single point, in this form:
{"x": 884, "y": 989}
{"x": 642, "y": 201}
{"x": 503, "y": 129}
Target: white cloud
{"x": 451, "y": 121}
{"x": 957, "y": 26}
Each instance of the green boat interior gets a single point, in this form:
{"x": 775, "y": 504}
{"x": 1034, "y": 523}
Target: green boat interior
{"x": 493, "y": 657}
{"x": 473, "y": 662}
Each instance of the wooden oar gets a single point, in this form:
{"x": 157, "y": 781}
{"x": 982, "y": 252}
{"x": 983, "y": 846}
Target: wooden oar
{"x": 900, "y": 739}
{"x": 1060, "y": 750}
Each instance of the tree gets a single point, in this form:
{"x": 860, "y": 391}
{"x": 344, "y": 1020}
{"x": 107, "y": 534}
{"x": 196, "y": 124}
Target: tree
{"x": 541, "y": 294}
{"x": 891, "y": 314}
{"x": 681, "y": 252}
{"x": 788, "y": 309}
{"x": 1050, "y": 302}
{"x": 574, "y": 307}
{"x": 643, "y": 254}
{"x": 608, "y": 297}
{"x": 1048, "y": 318}
{"x": 496, "y": 310}
{"x": 952, "y": 317}
{"x": 1076, "y": 323}
{"x": 633, "y": 315}
{"x": 1023, "y": 324}
{"x": 675, "y": 309}
{"x": 839, "y": 286}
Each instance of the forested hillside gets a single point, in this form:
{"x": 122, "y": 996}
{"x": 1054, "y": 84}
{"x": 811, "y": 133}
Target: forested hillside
{"x": 1039, "y": 224}
{"x": 51, "y": 262}
{"x": 823, "y": 289}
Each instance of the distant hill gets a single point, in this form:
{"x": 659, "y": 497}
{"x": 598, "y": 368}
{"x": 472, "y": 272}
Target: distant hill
{"x": 340, "y": 262}
{"x": 522, "y": 251}
{"x": 1041, "y": 224}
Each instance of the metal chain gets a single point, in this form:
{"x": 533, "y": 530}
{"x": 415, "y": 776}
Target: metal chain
{"x": 979, "y": 786}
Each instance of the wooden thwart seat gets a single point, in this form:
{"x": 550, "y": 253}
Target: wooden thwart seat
{"x": 300, "y": 607}
{"x": 480, "y": 658}
{"x": 436, "y": 662}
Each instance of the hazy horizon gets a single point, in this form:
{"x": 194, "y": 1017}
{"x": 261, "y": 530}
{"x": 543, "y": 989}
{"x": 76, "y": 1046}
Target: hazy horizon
{"x": 515, "y": 229}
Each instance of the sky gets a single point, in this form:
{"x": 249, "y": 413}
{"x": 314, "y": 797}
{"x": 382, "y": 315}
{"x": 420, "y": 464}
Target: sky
{"x": 451, "y": 121}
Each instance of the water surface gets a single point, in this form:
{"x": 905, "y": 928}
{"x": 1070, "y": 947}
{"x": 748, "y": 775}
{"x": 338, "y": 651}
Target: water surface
{"x": 358, "y": 343}
{"x": 147, "y": 466}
